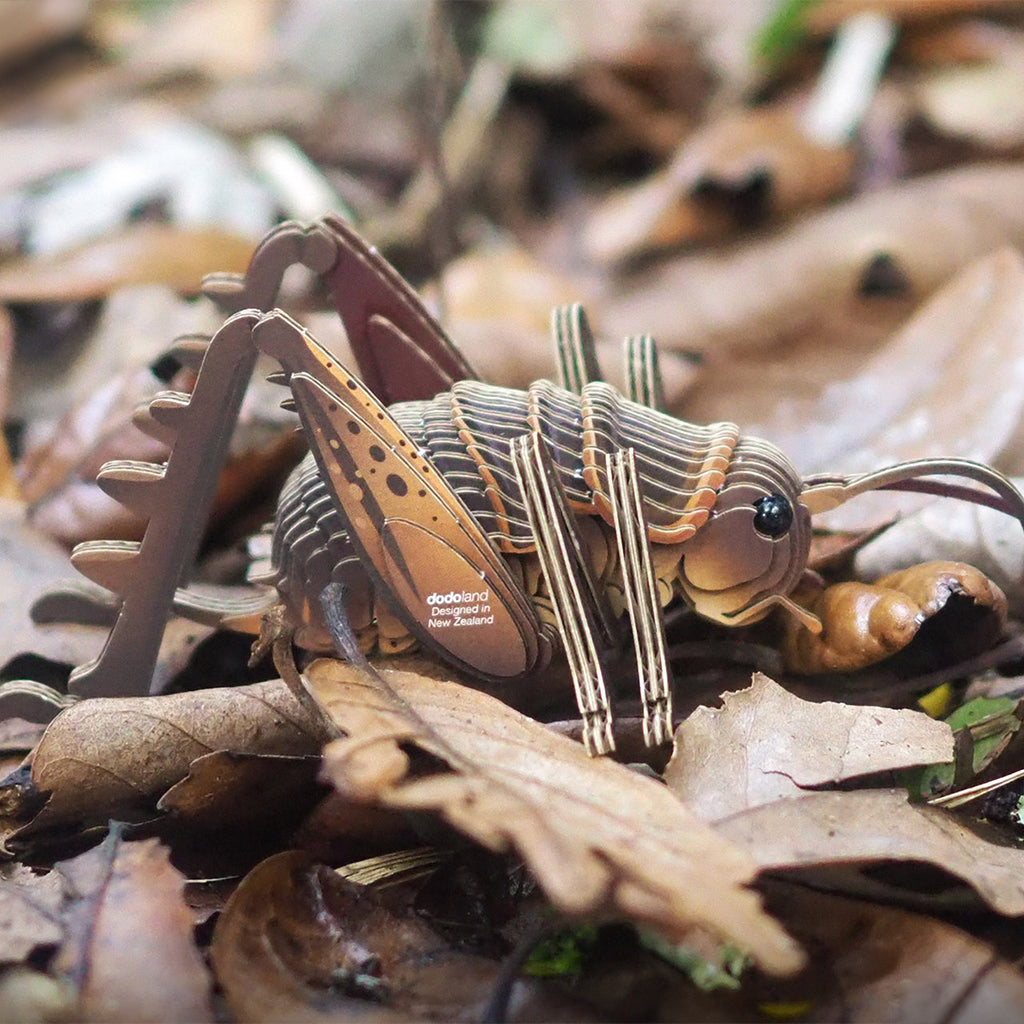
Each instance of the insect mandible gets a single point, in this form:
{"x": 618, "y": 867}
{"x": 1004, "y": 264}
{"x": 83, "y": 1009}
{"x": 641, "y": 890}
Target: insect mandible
{"x": 489, "y": 525}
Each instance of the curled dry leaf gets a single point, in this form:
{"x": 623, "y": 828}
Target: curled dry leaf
{"x": 862, "y": 623}
{"x": 598, "y": 837}
{"x": 296, "y": 941}
{"x": 876, "y": 963}
{"x": 141, "y": 254}
{"x": 106, "y": 756}
{"x": 754, "y": 295}
{"x": 765, "y": 744}
{"x": 872, "y": 825}
{"x": 734, "y": 172}
{"x": 129, "y": 948}
{"x": 983, "y": 537}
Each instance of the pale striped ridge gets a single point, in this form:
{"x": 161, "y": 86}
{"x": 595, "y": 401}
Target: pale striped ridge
{"x": 488, "y": 418}
{"x": 681, "y": 466}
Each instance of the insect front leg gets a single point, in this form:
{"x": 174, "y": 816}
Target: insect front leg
{"x": 584, "y": 623}
{"x": 641, "y": 590}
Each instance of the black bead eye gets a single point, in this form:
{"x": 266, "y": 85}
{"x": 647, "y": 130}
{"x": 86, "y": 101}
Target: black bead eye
{"x": 774, "y": 515}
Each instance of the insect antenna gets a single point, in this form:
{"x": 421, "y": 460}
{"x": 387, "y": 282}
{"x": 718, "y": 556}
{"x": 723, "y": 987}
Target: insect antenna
{"x": 822, "y": 493}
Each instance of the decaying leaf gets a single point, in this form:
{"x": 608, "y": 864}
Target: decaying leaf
{"x": 873, "y": 825}
{"x": 29, "y": 905}
{"x": 30, "y": 564}
{"x": 141, "y": 254}
{"x": 760, "y": 293}
{"x": 875, "y": 963}
{"x": 982, "y": 537}
{"x": 498, "y": 301}
{"x": 227, "y": 789}
{"x": 129, "y": 949}
{"x": 298, "y": 942}
{"x": 866, "y": 622}
{"x": 765, "y": 744}
{"x": 734, "y": 172}
{"x": 597, "y": 837}
{"x": 950, "y": 383}
{"x": 108, "y": 756}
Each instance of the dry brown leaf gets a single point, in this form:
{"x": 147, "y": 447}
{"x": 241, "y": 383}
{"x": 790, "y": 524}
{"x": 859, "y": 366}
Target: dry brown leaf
{"x": 866, "y": 622}
{"x": 498, "y": 303}
{"x": 748, "y": 166}
{"x": 755, "y": 295}
{"x": 29, "y": 905}
{"x": 765, "y": 744}
{"x": 27, "y": 26}
{"x": 871, "y": 825}
{"x": 943, "y": 530}
{"x": 598, "y": 837}
{"x": 296, "y": 942}
{"x": 31, "y": 564}
{"x": 129, "y": 948}
{"x": 109, "y": 755}
{"x": 228, "y": 790}
{"x": 950, "y": 383}
{"x": 874, "y": 963}
{"x": 141, "y": 254}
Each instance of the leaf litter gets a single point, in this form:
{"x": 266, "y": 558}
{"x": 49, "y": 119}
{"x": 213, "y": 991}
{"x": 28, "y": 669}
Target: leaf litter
{"x": 840, "y": 302}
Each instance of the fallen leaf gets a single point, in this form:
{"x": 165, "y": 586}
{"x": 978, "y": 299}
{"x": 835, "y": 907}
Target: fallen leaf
{"x": 27, "y": 27}
{"x": 108, "y": 756}
{"x": 946, "y": 529}
{"x": 598, "y": 837}
{"x": 764, "y": 744}
{"x": 864, "y": 623}
{"x": 749, "y": 166}
{"x": 980, "y": 103}
{"x": 876, "y": 825}
{"x": 498, "y": 303}
{"x": 874, "y": 963}
{"x": 141, "y": 254}
{"x": 222, "y": 39}
{"x": 132, "y": 332}
{"x": 298, "y": 942}
{"x": 29, "y": 912}
{"x": 753, "y": 295}
{"x": 129, "y": 949}
{"x": 950, "y": 383}
{"x": 30, "y": 564}
{"x": 227, "y": 789}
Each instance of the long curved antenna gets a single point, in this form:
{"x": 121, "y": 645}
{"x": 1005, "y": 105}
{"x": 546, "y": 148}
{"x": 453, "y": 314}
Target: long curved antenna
{"x": 823, "y": 493}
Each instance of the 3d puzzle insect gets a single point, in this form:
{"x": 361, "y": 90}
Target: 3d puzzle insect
{"x": 491, "y": 526}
